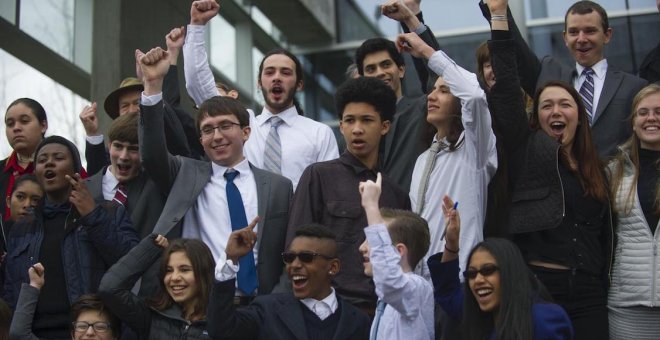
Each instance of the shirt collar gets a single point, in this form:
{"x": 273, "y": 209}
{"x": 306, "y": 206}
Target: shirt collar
{"x": 330, "y": 301}
{"x": 287, "y": 116}
{"x": 12, "y": 165}
{"x": 110, "y": 179}
{"x": 242, "y": 167}
{"x": 348, "y": 159}
{"x": 600, "y": 69}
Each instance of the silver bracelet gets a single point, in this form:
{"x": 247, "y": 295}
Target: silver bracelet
{"x": 498, "y": 18}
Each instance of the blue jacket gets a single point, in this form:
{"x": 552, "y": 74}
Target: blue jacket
{"x": 549, "y": 320}
{"x": 92, "y": 244}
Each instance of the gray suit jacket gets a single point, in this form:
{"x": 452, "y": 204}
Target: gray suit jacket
{"x": 611, "y": 126}
{"x": 183, "y": 179}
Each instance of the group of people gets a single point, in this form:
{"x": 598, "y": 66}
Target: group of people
{"x": 232, "y": 225}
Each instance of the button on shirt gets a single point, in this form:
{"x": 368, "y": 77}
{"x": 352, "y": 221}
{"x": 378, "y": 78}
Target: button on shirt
{"x": 208, "y": 219}
{"x": 600, "y": 70}
{"x": 304, "y": 142}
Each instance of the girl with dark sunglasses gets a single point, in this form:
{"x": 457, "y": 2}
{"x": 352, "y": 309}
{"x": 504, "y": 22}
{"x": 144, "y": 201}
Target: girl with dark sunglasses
{"x": 504, "y": 299}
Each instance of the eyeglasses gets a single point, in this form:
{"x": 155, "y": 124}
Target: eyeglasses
{"x": 486, "y": 270}
{"x": 224, "y": 127}
{"x": 304, "y": 256}
{"x": 83, "y": 326}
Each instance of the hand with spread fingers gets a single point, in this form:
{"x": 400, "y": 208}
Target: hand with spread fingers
{"x": 203, "y": 11}
{"x": 241, "y": 241}
{"x": 80, "y": 196}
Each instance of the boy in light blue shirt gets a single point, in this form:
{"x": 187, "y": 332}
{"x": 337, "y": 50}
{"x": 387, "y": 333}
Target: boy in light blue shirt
{"x": 396, "y": 241}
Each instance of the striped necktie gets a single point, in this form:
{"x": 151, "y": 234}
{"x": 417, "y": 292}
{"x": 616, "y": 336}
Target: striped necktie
{"x": 426, "y": 173}
{"x": 587, "y": 93}
{"x": 120, "y": 194}
{"x": 273, "y": 148}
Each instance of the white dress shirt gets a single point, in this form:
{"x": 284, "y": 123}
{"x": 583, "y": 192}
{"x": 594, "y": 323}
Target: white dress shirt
{"x": 409, "y": 297}
{"x": 208, "y": 219}
{"x": 464, "y": 173}
{"x": 600, "y": 70}
{"x": 109, "y": 185}
{"x": 304, "y": 141}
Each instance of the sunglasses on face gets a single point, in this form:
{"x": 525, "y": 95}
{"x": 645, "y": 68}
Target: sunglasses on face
{"x": 485, "y": 271}
{"x": 304, "y": 256}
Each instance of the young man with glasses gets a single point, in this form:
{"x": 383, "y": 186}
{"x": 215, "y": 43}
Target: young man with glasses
{"x": 312, "y": 311}
{"x": 211, "y": 199}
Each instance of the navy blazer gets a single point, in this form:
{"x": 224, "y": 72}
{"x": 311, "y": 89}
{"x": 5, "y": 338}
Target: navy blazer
{"x": 274, "y": 316}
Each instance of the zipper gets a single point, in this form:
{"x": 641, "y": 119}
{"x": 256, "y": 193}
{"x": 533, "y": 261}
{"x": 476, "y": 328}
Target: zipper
{"x": 561, "y": 185}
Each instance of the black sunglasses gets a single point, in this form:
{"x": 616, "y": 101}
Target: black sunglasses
{"x": 304, "y": 256}
{"x": 485, "y": 270}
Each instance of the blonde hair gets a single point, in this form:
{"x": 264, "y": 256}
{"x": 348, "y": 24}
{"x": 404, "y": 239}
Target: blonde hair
{"x": 631, "y": 147}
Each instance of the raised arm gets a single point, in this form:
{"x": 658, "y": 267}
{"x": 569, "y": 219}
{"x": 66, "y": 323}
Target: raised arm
{"x": 116, "y": 285}
{"x": 199, "y": 78}
{"x": 529, "y": 64}
{"x": 444, "y": 266}
{"x": 21, "y": 323}
{"x": 409, "y": 15}
{"x": 161, "y": 166}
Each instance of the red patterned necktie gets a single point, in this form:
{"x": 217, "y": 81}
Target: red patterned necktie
{"x": 120, "y": 195}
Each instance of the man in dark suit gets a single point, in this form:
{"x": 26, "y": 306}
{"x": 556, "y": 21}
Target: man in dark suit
{"x": 586, "y": 32}
{"x": 204, "y": 196}
{"x": 312, "y": 311}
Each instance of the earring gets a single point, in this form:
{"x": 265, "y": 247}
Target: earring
{"x": 331, "y": 272}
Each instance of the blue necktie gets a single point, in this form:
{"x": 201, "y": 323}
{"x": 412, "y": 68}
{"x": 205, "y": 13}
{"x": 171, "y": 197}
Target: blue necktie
{"x": 247, "y": 272}
{"x": 380, "y": 308}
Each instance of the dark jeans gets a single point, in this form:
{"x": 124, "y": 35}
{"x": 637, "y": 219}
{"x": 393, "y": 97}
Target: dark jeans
{"x": 584, "y": 298}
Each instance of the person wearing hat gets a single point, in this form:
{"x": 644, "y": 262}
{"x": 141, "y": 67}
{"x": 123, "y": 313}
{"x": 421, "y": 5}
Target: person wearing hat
{"x": 75, "y": 238}
{"x": 181, "y": 133}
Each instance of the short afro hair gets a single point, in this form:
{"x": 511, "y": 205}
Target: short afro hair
{"x": 367, "y": 90}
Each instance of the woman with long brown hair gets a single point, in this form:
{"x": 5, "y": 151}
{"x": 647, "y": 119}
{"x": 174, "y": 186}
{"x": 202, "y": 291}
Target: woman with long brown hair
{"x": 560, "y": 214}
{"x": 178, "y": 310}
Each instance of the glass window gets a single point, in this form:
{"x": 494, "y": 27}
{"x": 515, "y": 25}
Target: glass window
{"x": 222, "y": 45}
{"x": 8, "y": 10}
{"x": 62, "y": 106}
{"x": 50, "y": 22}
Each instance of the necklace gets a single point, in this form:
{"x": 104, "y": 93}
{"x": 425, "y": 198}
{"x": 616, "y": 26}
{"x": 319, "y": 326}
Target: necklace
{"x": 24, "y": 160}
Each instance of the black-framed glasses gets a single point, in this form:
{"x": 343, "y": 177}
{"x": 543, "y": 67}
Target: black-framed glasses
{"x": 485, "y": 271}
{"x": 83, "y": 326}
{"x": 224, "y": 127}
{"x": 304, "y": 256}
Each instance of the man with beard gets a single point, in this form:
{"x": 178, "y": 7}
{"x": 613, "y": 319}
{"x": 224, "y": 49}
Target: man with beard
{"x": 282, "y": 141}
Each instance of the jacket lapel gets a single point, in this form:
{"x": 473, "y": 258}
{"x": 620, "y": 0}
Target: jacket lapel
{"x": 401, "y": 106}
{"x": 612, "y": 82}
{"x": 95, "y": 186}
{"x": 289, "y": 312}
{"x": 346, "y": 325}
{"x": 263, "y": 192}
